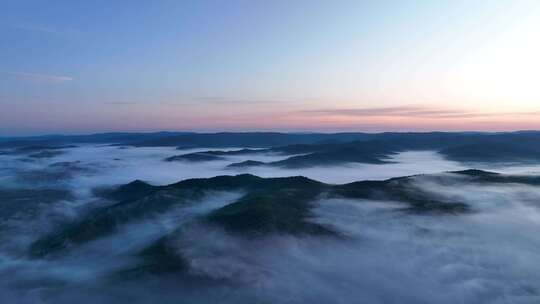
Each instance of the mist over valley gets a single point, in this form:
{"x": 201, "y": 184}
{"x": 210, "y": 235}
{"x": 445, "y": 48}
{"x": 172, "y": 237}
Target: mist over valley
{"x": 379, "y": 221}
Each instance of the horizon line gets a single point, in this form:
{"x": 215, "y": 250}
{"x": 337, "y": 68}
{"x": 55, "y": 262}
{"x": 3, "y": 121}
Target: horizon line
{"x": 4, "y": 137}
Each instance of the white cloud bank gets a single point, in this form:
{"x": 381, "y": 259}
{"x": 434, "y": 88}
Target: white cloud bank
{"x": 487, "y": 256}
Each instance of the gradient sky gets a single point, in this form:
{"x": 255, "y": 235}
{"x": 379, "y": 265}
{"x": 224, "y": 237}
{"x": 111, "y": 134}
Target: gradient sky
{"x": 93, "y": 66}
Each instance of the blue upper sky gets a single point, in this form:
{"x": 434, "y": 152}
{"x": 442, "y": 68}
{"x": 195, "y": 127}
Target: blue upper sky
{"x": 87, "y": 66}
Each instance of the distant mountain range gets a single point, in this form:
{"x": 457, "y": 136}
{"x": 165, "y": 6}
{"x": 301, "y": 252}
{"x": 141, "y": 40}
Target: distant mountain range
{"x": 463, "y": 147}
{"x": 310, "y": 148}
{"x": 252, "y": 139}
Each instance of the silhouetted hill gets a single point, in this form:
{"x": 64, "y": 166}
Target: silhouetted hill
{"x": 358, "y": 152}
{"x": 266, "y": 206}
{"x": 464, "y": 147}
{"x": 250, "y": 139}
{"x": 509, "y": 146}
{"x": 246, "y": 164}
{"x": 481, "y": 176}
{"x": 373, "y": 152}
{"x": 498, "y": 151}
{"x": 370, "y": 152}
{"x": 47, "y": 141}
{"x": 194, "y": 157}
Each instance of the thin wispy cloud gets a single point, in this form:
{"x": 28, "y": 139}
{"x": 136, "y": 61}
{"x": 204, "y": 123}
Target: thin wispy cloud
{"x": 45, "y": 29}
{"x": 120, "y": 103}
{"x": 225, "y": 100}
{"x": 532, "y": 113}
{"x": 45, "y": 78}
{"x": 409, "y": 111}
{"x": 198, "y": 101}
{"x": 406, "y": 111}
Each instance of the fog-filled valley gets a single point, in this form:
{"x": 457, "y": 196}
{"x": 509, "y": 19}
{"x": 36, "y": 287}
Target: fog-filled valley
{"x": 269, "y": 152}
{"x": 323, "y": 222}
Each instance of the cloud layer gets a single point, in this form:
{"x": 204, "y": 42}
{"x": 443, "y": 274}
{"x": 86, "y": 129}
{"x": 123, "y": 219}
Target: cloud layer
{"x": 386, "y": 255}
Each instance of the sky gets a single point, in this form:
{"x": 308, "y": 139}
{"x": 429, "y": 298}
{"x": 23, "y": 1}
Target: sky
{"x": 94, "y": 66}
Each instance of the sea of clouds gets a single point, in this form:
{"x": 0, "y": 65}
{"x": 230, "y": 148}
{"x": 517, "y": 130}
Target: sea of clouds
{"x": 490, "y": 255}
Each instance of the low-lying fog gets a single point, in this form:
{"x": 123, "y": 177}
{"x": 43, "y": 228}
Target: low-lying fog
{"x": 491, "y": 255}
{"x": 104, "y": 165}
